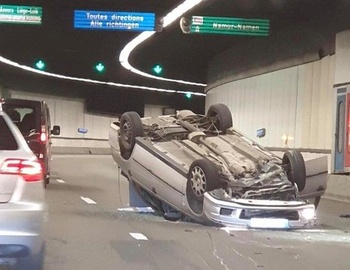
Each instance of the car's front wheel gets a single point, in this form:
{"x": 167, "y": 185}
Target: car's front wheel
{"x": 202, "y": 176}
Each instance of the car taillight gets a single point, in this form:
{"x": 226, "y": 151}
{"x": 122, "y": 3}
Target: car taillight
{"x": 30, "y": 170}
{"x": 43, "y": 137}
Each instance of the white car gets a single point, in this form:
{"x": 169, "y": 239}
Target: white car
{"x": 22, "y": 207}
{"x": 201, "y": 167}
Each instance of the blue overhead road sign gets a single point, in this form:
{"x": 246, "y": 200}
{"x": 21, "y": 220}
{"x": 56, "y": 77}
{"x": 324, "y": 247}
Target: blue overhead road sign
{"x": 109, "y": 20}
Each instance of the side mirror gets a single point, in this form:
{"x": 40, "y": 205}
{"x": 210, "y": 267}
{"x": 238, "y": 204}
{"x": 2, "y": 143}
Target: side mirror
{"x": 56, "y": 130}
{"x": 261, "y": 132}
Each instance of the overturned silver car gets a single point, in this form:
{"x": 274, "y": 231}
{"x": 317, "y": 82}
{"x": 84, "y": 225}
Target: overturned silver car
{"x": 199, "y": 166}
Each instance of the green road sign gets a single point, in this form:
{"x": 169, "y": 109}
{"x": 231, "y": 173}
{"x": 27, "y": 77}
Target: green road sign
{"x": 40, "y": 64}
{"x": 188, "y": 95}
{"x": 227, "y": 26}
{"x": 20, "y": 14}
{"x": 157, "y": 69}
{"x": 100, "y": 67}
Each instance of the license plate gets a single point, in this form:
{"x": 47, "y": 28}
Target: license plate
{"x": 269, "y": 223}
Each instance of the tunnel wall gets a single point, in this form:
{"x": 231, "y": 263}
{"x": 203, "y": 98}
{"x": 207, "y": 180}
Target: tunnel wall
{"x": 294, "y": 104}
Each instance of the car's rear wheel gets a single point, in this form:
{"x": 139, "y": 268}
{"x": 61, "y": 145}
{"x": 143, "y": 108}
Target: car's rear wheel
{"x": 294, "y": 166}
{"x": 47, "y": 178}
{"x": 222, "y": 117}
{"x": 203, "y": 176}
{"x": 130, "y": 128}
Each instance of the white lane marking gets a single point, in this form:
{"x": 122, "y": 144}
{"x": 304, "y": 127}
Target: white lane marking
{"x": 137, "y": 209}
{"x": 88, "y": 200}
{"x": 230, "y": 229}
{"x": 139, "y": 236}
{"x": 60, "y": 181}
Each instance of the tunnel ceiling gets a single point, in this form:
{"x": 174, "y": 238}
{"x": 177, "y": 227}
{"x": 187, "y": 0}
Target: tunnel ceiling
{"x": 73, "y": 52}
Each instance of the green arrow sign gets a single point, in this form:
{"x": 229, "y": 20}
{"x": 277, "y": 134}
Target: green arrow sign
{"x": 20, "y": 14}
{"x": 100, "y": 68}
{"x": 229, "y": 26}
{"x": 40, "y": 65}
{"x": 157, "y": 69}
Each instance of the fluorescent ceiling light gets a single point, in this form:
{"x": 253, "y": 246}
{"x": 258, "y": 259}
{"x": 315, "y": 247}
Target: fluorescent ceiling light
{"x": 168, "y": 19}
{"x": 30, "y": 69}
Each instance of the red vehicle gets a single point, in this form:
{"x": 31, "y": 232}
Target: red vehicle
{"x": 33, "y": 120}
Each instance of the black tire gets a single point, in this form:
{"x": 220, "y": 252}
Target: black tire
{"x": 202, "y": 176}
{"x": 222, "y": 117}
{"x": 130, "y": 128}
{"x": 47, "y": 180}
{"x": 294, "y": 165}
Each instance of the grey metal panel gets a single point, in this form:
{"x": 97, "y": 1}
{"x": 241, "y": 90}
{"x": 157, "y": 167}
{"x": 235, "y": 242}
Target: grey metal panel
{"x": 294, "y": 103}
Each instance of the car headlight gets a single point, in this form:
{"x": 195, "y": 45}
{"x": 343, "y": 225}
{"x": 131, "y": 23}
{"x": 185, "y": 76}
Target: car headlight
{"x": 308, "y": 213}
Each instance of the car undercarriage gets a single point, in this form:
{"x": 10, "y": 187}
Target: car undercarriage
{"x": 201, "y": 166}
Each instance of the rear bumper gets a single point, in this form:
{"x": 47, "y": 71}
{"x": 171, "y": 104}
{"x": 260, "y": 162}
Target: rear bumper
{"x": 259, "y": 214}
{"x": 22, "y": 229}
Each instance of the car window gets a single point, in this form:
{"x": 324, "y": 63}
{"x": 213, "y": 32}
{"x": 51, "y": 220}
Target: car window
{"x": 23, "y": 116}
{"x": 7, "y": 140}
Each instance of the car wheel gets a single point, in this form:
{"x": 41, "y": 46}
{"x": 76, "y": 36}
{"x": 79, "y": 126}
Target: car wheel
{"x": 294, "y": 166}
{"x": 130, "y": 128}
{"x": 203, "y": 176}
{"x": 222, "y": 117}
{"x": 46, "y": 180}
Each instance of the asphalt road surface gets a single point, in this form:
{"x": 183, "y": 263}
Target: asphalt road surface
{"x": 91, "y": 226}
